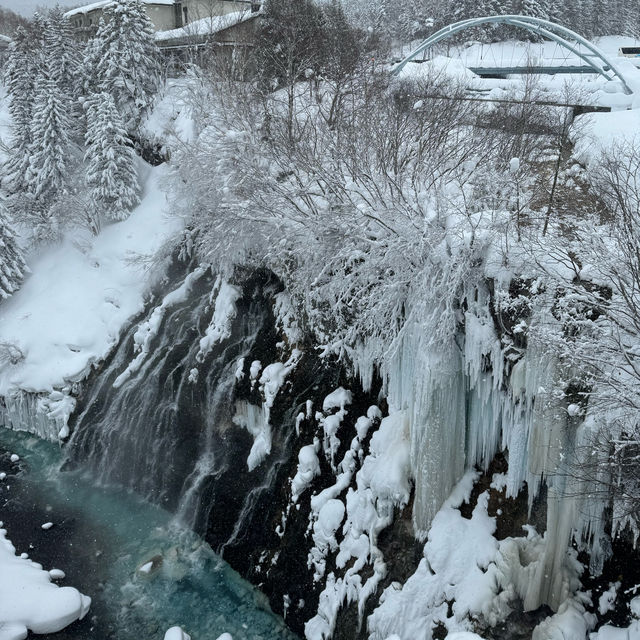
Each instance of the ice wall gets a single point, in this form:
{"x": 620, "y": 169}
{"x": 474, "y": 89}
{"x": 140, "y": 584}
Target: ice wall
{"x": 478, "y": 394}
{"x": 32, "y": 412}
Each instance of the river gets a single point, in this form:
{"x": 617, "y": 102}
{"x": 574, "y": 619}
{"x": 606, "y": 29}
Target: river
{"x": 102, "y": 536}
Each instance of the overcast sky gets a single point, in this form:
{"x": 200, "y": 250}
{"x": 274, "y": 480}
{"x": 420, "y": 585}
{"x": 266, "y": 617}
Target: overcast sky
{"x": 27, "y": 7}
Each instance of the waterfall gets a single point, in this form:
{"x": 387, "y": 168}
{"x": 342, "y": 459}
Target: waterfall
{"x": 165, "y": 428}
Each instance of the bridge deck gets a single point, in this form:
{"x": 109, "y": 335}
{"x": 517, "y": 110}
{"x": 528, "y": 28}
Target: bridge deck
{"x": 500, "y": 72}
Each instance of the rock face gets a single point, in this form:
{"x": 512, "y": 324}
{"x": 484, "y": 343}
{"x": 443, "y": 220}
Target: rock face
{"x": 216, "y": 406}
{"x": 210, "y": 428}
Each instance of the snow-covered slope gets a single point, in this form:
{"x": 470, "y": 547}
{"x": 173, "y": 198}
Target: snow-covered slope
{"x": 71, "y": 309}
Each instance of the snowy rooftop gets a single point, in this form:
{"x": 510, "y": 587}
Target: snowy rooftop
{"x": 207, "y": 26}
{"x": 103, "y": 3}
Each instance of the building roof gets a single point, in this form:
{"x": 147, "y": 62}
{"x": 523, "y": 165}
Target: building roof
{"x": 104, "y": 3}
{"x": 207, "y": 26}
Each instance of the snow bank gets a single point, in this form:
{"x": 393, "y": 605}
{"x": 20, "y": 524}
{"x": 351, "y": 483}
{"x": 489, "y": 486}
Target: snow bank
{"x": 70, "y": 311}
{"x": 29, "y": 601}
{"x": 600, "y": 131}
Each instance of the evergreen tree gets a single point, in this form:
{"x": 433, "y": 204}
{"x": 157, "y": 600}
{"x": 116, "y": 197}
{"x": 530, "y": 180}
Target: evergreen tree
{"x": 12, "y": 265}
{"x": 89, "y": 81}
{"x": 110, "y": 159}
{"x": 290, "y": 40}
{"x": 20, "y": 72}
{"x": 343, "y": 44}
{"x": 128, "y": 67}
{"x": 61, "y": 51}
{"x": 50, "y": 135}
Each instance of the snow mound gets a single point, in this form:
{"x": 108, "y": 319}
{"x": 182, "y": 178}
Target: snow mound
{"x": 176, "y": 633}
{"x": 29, "y": 601}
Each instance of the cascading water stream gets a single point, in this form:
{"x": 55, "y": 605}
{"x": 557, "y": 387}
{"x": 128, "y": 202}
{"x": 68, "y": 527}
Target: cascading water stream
{"x": 166, "y": 431}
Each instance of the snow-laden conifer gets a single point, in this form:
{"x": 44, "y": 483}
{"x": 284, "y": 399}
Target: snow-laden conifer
{"x": 47, "y": 171}
{"x": 12, "y": 265}
{"x": 88, "y": 69}
{"x": 20, "y": 72}
{"x": 61, "y": 51}
{"x": 128, "y": 67}
{"x": 110, "y": 159}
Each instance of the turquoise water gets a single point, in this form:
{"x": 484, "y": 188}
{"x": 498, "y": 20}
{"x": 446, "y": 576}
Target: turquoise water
{"x": 101, "y": 537}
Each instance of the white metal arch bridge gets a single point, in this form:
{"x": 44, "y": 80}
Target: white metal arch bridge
{"x": 592, "y": 58}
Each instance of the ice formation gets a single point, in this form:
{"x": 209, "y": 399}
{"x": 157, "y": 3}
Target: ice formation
{"x": 35, "y": 413}
{"x": 473, "y": 396}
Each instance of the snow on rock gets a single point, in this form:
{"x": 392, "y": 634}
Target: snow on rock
{"x": 383, "y": 485}
{"x": 571, "y": 622}
{"x": 607, "y": 600}
{"x": 226, "y": 296}
{"x": 329, "y": 518}
{"x": 46, "y": 526}
{"x": 14, "y": 457}
{"x": 286, "y": 319}
{"x": 82, "y": 291}
{"x": 308, "y": 469}
{"x": 57, "y": 574}
{"x": 458, "y": 567}
{"x": 337, "y": 399}
{"x": 148, "y": 329}
{"x": 176, "y": 633}
{"x": 330, "y": 424}
{"x": 254, "y": 369}
{"x": 256, "y": 420}
{"x": 252, "y": 418}
{"x": 29, "y": 601}
{"x": 607, "y": 632}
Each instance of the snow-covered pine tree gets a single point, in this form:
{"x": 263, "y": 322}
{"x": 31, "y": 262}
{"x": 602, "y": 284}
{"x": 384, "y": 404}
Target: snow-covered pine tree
{"x": 110, "y": 159}
{"x": 12, "y": 265}
{"x": 50, "y": 135}
{"x": 128, "y": 68}
{"x": 88, "y": 68}
{"x": 62, "y": 51}
{"x": 20, "y": 72}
